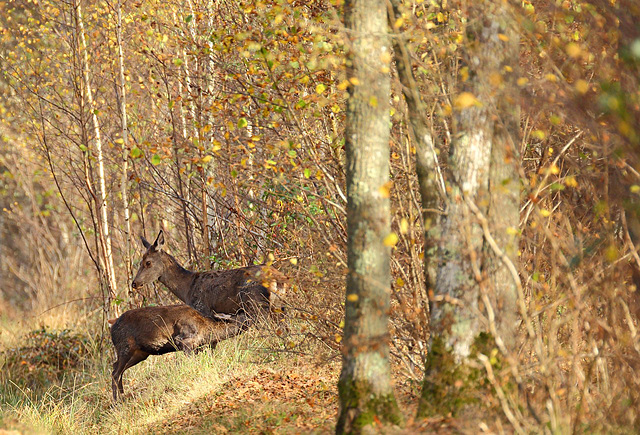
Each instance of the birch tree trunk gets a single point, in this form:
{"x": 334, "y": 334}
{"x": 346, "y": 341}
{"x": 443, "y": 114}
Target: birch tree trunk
{"x": 364, "y": 387}
{"x": 105, "y": 237}
{"x": 124, "y": 181}
{"x": 483, "y": 165}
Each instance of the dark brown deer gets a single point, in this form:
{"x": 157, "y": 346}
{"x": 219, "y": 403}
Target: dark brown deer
{"x": 141, "y": 332}
{"x": 251, "y": 289}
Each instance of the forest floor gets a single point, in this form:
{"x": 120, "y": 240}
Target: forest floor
{"x": 280, "y": 399}
{"x": 246, "y": 385}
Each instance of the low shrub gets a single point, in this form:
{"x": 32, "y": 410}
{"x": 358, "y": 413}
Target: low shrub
{"x": 44, "y": 358}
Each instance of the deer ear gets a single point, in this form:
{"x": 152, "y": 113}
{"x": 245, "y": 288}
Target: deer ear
{"x": 145, "y": 243}
{"x": 159, "y": 243}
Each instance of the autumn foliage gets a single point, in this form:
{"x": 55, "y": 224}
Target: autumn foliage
{"x": 234, "y": 146}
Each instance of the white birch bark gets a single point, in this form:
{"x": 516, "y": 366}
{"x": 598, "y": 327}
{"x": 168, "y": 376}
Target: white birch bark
{"x": 105, "y": 236}
{"x": 124, "y": 182}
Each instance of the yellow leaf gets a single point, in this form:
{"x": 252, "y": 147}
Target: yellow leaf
{"x": 354, "y": 81}
{"x": 398, "y": 23}
{"x": 503, "y": 37}
{"x": 464, "y": 73}
{"x": 495, "y": 79}
{"x": 545, "y": 213}
{"x": 634, "y": 188}
{"x": 385, "y": 57}
{"x": 352, "y": 297}
{"x": 571, "y": 181}
{"x": 551, "y": 77}
{"x": 119, "y": 140}
{"x": 522, "y": 81}
{"x": 582, "y": 86}
{"x": 554, "y": 169}
{"x": 538, "y": 134}
{"x": 344, "y": 85}
{"x": 294, "y": 261}
{"x": 391, "y": 240}
{"x": 320, "y": 88}
{"x": 385, "y": 189}
{"x": 399, "y": 282}
{"x": 573, "y": 50}
{"x": 404, "y": 226}
{"x": 464, "y": 100}
{"x": 512, "y": 231}
{"x": 206, "y": 159}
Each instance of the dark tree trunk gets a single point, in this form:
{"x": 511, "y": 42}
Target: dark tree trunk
{"x": 429, "y": 177}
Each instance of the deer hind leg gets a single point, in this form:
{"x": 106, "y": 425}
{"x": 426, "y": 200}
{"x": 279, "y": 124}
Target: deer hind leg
{"x": 116, "y": 377}
{"x": 123, "y": 364}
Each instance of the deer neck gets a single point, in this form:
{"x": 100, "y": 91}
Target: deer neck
{"x": 176, "y": 278}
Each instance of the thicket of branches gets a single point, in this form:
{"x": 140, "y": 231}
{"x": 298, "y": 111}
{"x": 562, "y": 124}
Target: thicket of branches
{"x": 233, "y": 144}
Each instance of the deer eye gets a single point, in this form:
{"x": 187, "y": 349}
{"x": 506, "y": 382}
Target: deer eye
{"x": 148, "y": 263}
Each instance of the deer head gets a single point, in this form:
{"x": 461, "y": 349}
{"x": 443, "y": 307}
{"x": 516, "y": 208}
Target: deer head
{"x": 152, "y": 266}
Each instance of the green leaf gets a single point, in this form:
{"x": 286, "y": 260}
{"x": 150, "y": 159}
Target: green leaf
{"x": 177, "y": 61}
{"x": 83, "y": 148}
{"x": 307, "y": 173}
{"x": 156, "y": 160}
{"x": 242, "y": 123}
{"x": 188, "y": 18}
{"x": 135, "y": 152}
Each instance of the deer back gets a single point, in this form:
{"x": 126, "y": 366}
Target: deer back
{"x": 229, "y": 291}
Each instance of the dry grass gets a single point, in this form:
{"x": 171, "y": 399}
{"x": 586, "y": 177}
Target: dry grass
{"x": 162, "y": 390}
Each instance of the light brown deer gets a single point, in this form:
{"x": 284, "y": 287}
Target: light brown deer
{"x": 251, "y": 289}
{"x": 141, "y": 332}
